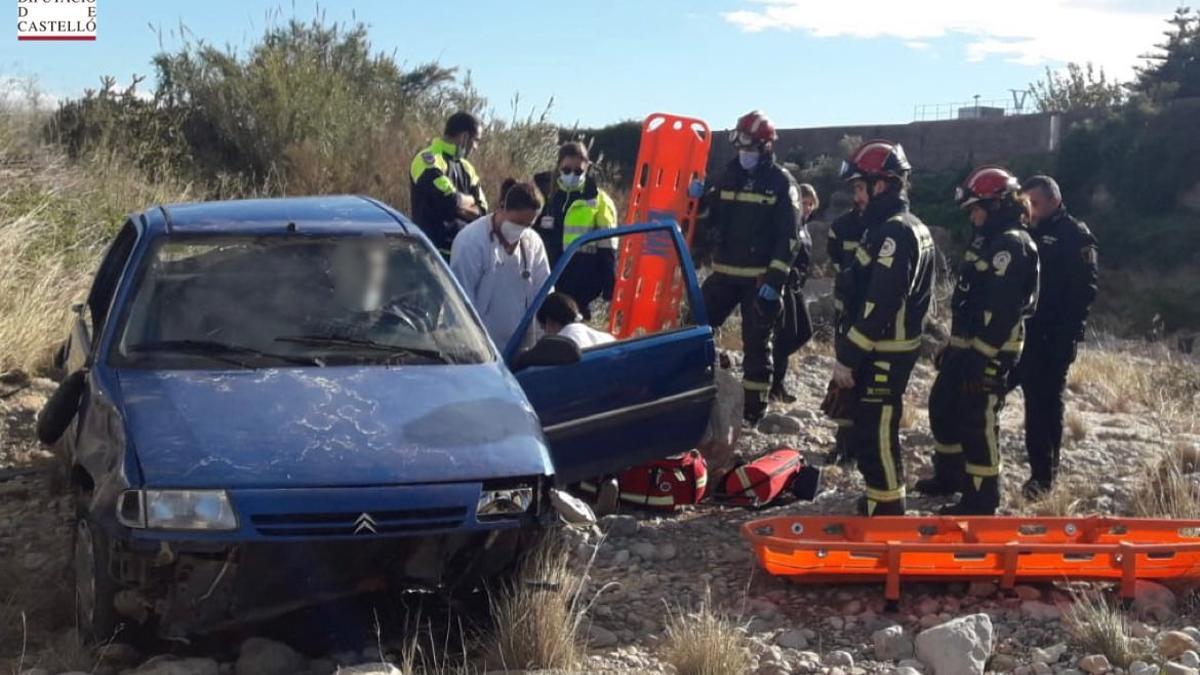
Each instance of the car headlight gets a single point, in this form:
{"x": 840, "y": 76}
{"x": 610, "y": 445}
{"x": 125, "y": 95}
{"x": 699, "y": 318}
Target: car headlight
{"x": 176, "y": 510}
{"x": 504, "y": 503}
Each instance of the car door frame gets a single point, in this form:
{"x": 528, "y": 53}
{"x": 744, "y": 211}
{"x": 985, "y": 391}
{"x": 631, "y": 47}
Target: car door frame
{"x": 701, "y": 397}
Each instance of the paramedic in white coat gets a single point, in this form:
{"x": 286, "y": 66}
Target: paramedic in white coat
{"x": 559, "y": 315}
{"x": 501, "y": 262}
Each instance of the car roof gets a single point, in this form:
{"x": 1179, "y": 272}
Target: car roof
{"x": 340, "y": 214}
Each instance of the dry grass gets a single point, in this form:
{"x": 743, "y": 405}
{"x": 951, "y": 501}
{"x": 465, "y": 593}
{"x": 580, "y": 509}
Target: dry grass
{"x": 1097, "y": 626}
{"x": 1077, "y": 426}
{"x": 541, "y": 618}
{"x": 1169, "y": 487}
{"x": 1155, "y": 378}
{"x": 1068, "y": 497}
{"x": 704, "y": 642}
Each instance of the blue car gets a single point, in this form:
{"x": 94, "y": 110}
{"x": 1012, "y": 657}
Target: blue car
{"x": 271, "y": 403}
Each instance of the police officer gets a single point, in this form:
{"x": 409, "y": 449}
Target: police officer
{"x": 576, "y": 207}
{"x": 997, "y": 290}
{"x": 1067, "y": 251}
{"x": 842, "y": 245}
{"x": 446, "y": 192}
{"x": 889, "y": 286}
{"x": 753, "y": 219}
{"x": 795, "y": 326}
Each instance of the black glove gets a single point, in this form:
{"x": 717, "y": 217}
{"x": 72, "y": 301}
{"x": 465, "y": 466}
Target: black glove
{"x": 838, "y": 403}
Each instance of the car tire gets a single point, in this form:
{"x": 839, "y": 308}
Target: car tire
{"x": 56, "y": 415}
{"x": 95, "y": 589}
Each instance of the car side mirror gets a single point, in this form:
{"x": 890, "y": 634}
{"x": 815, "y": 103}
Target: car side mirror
{"x": 551, "y": 350}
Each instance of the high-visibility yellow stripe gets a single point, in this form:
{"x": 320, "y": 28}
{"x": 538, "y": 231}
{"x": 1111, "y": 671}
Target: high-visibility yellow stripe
{"x": 781, "y": 266}
{"x": 444, "y": 185}
{"x": 970, "y": 256}
{"x": 901, "y": 319}
{"x": 883, "y": 365}
{"x": 862, "y": 256}
{"x": 885, "y": 495}
{"x": 987, "y": 318}
{"x": 727, "y": 194}
{"x": 844, "y": 423}
{"x": 948, "y": 448}
{"x": 882, "y": 379}
{"x": 733, "y": 271}
{"x": 886, "y": 262}
{"x": 849, "y": 245}
{"x": 984, "y": 471}
{"x": 751, "y": 385}
{"x": 861, "y": 341}
{"x": 755, "y": 198}
{"x": 959, "y": 342}
{"x": 981, "y": 265}
{"x": 646, "y": 499}
{"x": 984, "y": 348}
{"x": 867, "y": 309}
{"x": 898, "y": 346}
{"x": 885, "y": 447}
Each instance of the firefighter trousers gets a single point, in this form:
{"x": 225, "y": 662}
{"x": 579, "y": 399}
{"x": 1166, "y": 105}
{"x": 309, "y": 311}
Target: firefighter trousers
{"x": 793, "y": 332}
{"x": 964, "y": 416}
{"x": 722, "y": 294}
{"x": 880, "y": 383}
{"x": 1042, "y": 375}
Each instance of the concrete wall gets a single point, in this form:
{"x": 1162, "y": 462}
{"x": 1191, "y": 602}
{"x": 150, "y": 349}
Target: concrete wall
{"x": 931, "y": 146}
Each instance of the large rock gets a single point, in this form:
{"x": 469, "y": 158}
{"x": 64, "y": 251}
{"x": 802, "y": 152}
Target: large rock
{"x": 958, "y": 647}
{"x": 600, "y": 637}
{"x": 169, "y": 665}
{"x": 619, "y": 525}
{"x": 792, "y": 639}
{"x": 1179, "y": 669}
{"x": 1153, "y": 600}
{"x": 1095, "y": 664}
{"x": 259, "y": 656}
{"x": 892, "y": 644}
{"x": 777, "y": 424}
{"x": 1173, "y": 643}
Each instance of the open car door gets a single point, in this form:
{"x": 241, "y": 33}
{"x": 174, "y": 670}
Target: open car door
{"x": 629, "y": 401}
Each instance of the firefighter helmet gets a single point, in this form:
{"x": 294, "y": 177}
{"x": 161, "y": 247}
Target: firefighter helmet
{"x": 752, "y": 129}
{"x": 986, "y": 182}
{"x": 876, "y": 159}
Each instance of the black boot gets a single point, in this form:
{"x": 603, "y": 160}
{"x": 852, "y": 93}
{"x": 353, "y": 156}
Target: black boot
{"x": 868, "y": 507}
{"x": 1035, "y": 489}
{"x": 754, "y": 407}
{"x": 947, "y": 476}
{"x": 981, "y": 497}
{"x": 843, "y": 448}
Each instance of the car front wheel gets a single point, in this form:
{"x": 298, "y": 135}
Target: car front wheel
{"x": 95, "y": 588}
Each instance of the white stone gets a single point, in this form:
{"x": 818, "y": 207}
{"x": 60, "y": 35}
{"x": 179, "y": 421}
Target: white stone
{"x": 892, "y": 644}
{"x": 1094, "y": 664}
{"x": 1173, "y": 643}
{"x": 1190, "y": 659}
{"x": 1179, "y": 669}
{"x": 1142, "y": 668}
{"x": 958, "y": 647}
{"x": 259, "y": 656}
{"x": 838, "y": 659}
{"x": 777, "y": 424}
{"x": 1049, "y": 654}
{"x": 1042, "y": 669}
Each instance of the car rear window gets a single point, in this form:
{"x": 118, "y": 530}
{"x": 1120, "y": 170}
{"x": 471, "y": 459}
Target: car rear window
{"x": 265, "y": 301}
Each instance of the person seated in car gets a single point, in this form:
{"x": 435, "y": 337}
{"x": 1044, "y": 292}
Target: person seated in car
{"x": 559, "y": 315}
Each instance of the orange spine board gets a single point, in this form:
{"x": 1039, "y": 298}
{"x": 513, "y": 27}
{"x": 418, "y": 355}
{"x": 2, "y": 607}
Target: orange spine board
{"x": 649, "y": 288}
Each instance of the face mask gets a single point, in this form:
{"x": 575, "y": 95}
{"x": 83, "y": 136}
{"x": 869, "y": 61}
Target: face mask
{"x": 511, "y": 231}
{"x": 570, "y": 181}
{"x": 465, "y": 148}
{"x": 748, "y": 158}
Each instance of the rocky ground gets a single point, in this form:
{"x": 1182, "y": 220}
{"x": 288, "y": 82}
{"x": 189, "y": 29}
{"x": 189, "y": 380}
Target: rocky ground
{"x": 644, "y": 567}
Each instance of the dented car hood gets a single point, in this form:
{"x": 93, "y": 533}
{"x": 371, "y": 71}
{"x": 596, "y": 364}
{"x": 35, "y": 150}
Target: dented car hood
{"x": 344, "y": 426}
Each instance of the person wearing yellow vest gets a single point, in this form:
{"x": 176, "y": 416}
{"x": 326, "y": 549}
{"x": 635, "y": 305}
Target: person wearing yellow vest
{"x": 445, "y": 188}
{"x": 575, "y": 207}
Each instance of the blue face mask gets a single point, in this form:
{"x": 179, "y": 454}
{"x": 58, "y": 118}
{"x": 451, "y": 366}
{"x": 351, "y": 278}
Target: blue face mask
{"x": 748, "y": 158}
{"x": 570, "y": 181}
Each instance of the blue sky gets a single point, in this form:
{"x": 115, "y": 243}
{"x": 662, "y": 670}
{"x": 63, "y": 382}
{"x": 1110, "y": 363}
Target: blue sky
{"x": 805, "y": 62}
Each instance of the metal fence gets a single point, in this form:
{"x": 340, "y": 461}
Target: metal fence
{"x": 928, "y": 112}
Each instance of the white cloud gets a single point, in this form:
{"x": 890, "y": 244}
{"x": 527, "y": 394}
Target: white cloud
{"x": 1109, "y": 34}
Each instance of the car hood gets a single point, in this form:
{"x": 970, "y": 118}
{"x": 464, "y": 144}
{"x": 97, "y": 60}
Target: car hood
{"x": 304, "y": 427}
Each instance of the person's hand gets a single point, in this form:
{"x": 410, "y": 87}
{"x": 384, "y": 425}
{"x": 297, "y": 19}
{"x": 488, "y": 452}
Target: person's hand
{"x": 768, "y": 293}
{"x": 696, "y": 188}
{"x": 467, "y": 207}
{"x": 843, "y": 376}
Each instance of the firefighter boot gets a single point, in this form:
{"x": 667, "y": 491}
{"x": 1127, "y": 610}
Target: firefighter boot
{"x": 981, "y": 497}
{"x": 755, "y": 407}
{"x": 947, "y": 476}
{"x": 870, "y": 507}
{"x": 843, "y": 449}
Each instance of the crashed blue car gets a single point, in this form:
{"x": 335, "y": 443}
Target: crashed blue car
{"x": 271, "y": 403}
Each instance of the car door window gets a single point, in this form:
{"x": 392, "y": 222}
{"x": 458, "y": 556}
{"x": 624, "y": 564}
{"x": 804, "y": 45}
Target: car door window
{"x": 109, "y": 275}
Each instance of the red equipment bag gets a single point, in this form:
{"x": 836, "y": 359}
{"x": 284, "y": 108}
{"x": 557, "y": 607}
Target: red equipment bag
{"x": 664, "y": 483}
{"x": 764, "y": 480}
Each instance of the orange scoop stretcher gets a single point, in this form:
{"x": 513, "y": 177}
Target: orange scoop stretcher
{"x": 854, "y": 549}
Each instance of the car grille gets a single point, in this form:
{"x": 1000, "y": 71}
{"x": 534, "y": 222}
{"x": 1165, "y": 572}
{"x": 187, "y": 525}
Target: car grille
{"x": 358, "y": 523}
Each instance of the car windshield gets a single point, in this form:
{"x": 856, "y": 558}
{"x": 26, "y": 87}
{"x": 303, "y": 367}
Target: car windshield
{"x": 268, "y": 301}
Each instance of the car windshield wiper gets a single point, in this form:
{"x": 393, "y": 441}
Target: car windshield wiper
{"x": 360, "y": 343}
{"x": 219, "y": 351}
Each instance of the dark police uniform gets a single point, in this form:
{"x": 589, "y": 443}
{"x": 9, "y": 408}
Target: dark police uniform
{"x": 997, "y": 290}
{"x": 437, "y": 177}
{"x": 888, "y": 290}
{"x": 753, "y": 222}
{"x": 795, "y": 326}
{"x": 1068, "y": 255}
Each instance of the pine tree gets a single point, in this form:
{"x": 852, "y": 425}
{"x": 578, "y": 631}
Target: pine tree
{"x": 1173, "y": 71}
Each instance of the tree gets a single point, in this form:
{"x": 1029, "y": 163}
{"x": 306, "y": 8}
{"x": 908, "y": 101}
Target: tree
{"x": 1081, "y": 87}
{"x": 1174, "y": 70}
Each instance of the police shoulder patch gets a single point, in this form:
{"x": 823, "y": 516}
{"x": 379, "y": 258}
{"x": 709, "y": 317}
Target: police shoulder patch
{"x": 1001, "y": 261}
{"x": 888, "y": 248}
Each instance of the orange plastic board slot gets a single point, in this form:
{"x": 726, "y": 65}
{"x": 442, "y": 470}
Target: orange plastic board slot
{"x": 649, "y": 287}
{"x": 852, "y": 549}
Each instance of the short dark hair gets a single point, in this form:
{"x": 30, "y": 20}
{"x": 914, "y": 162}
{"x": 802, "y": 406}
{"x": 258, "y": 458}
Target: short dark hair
{"x": 462, "y": 121}
{"x": 1045, "y": 184}
{"x": 572, "y": 149}
{"x": 559, "y": 308}
{"x": 520, "y": 196}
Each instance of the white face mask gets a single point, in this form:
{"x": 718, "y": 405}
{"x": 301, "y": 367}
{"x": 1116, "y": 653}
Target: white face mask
{"x": 511, "y": 231}
{"x": 748, "y": 158}
{"x": 570, "y": 181}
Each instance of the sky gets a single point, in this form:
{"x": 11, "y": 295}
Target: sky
{"x": 805, "y": 62}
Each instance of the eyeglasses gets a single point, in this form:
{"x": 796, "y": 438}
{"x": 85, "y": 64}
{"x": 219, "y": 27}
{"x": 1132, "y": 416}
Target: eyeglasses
{"x": 567, "y": 172}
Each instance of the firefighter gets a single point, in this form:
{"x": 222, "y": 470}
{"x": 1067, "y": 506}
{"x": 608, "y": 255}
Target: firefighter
{"x": 997, "y": 290}
{"x": 752, "y": 213}
{"x": 841, "y": 245}
{"x": 888, "y": 290}
{"x": 795, "y": 326}
{"x": 577, "y": 206}
{"x": 446, "y": 192}
{"x": 1067, "y": 251}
